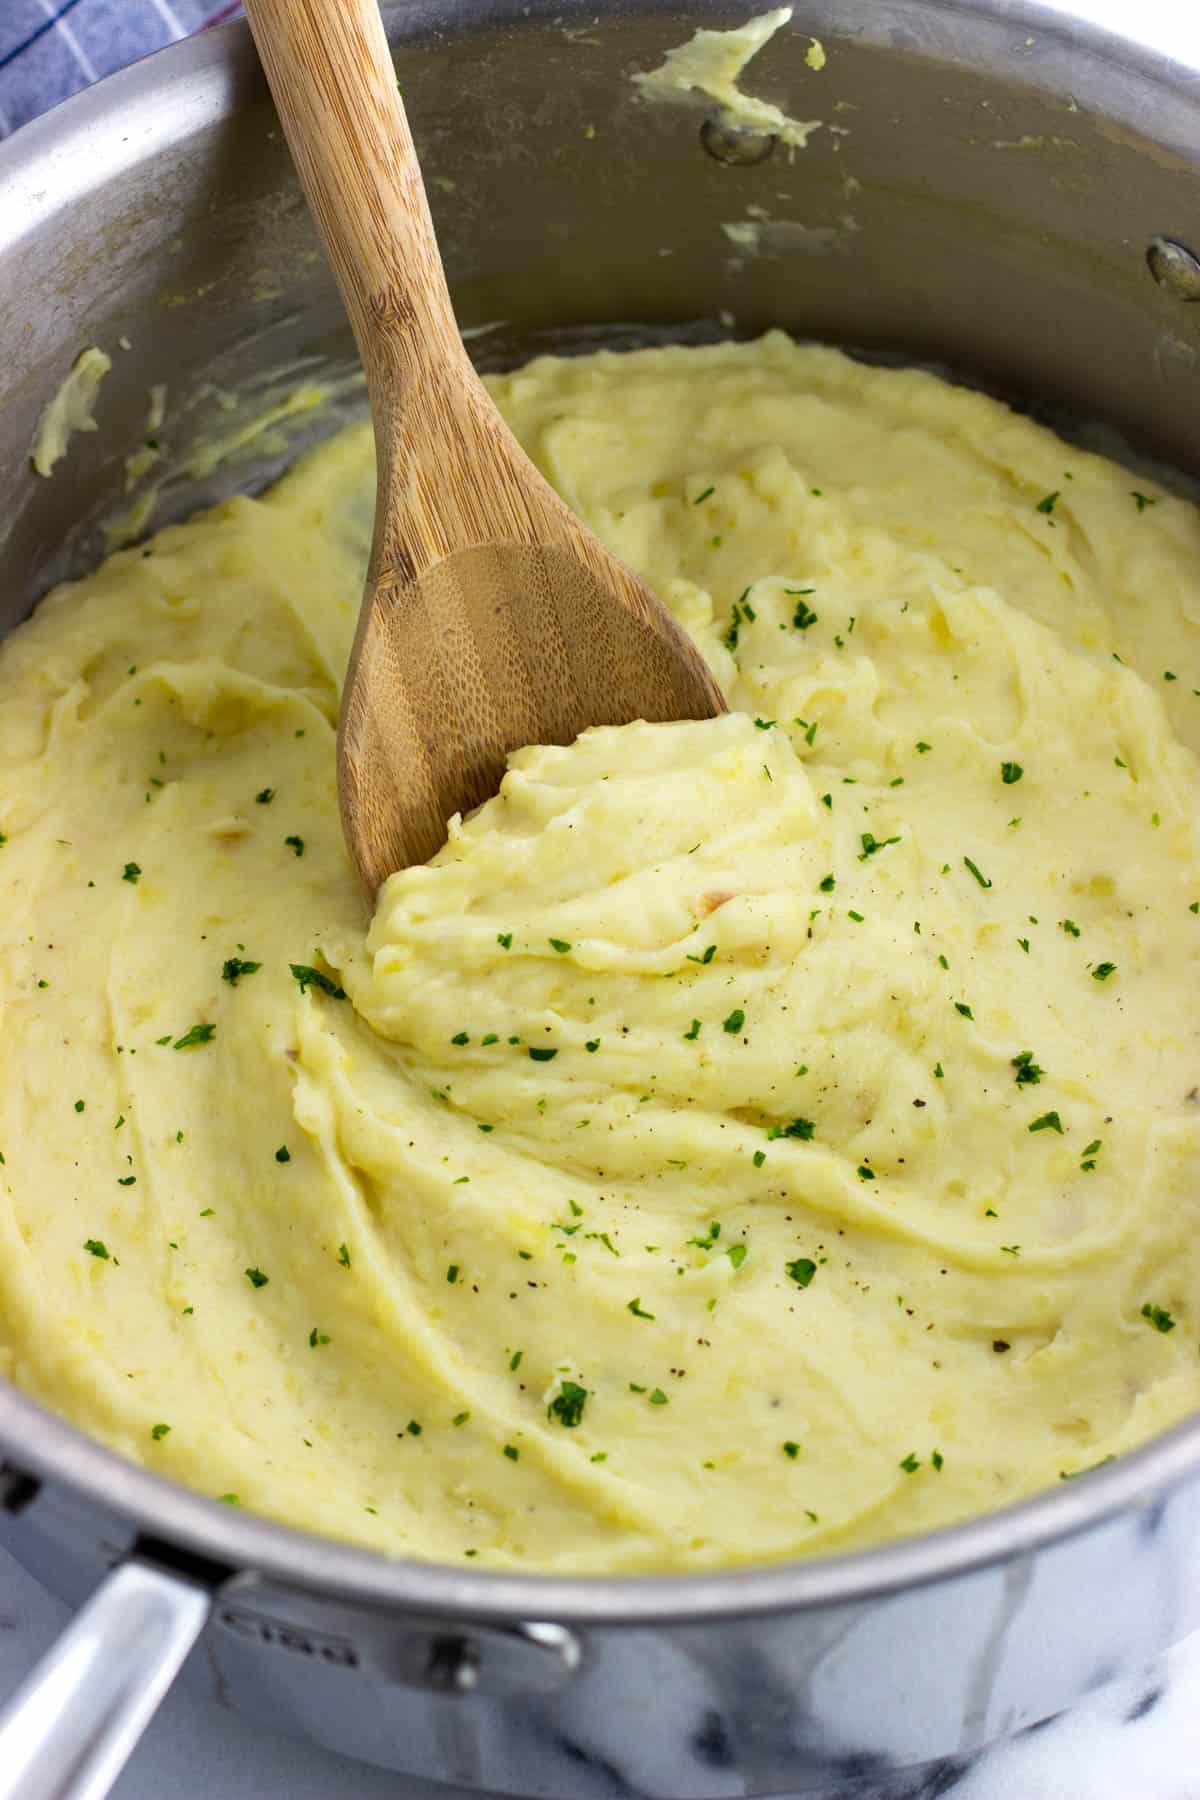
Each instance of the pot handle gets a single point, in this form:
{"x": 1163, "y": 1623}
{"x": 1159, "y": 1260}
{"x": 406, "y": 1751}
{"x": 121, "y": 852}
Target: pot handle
{"x": 74, "y": 1722}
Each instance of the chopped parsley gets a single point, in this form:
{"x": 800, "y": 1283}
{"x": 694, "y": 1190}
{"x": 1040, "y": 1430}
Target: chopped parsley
{"x": 234, "y": 968}
{"x": 694, "y": 1031}
{"x": 638, "y": 1310}
{"x": 1103, "y": 970}
{"x": 1046, "y": 503}
{"x": 871, "y": 845}
{"x": 960, "y": 1006}
{"x": 1070, "y": 927}
{"x": 317, "y": 1338}
{"x": 265, "y": 796}
{"x": 1028, "y": 1073}
{"x": 1010, "y": 772}
{"x": 559, "y": 944}
{"x": 592, "y": 1045}
{"x": 865, "y": 1172}
{"x": 828, "y": 884}
{"x": 568, "y": 1404}
{"x": 1047, "y": 1121}
{"x": 977, "y": 872}
{"x": 735, "y": 1021}
{"x": 743, "y": 613}
{"x": 195, "y": 1034}
{"x": 1158, "y": 1317}
{"x": 310, "y": 977}
{"x": 910, "y": 1464}
{"x": 452, "y": 1274}
{"x": 760, "y": 1157}
{"x": 256, "y": 1278}
{"x": 790, "y": 1449}
{"x": 504, "y": 939}
{"x": 512, "y": 1453}
{"x": 158, "y": 1432}
{"x": 737, "y": 1254}
{"x": 804, "y": 616}
{"x": 923, "y": 748}
{"x": 295, "y": 844}
{"x": 657, "y": 1397}
{"x": 801, "y": 1271}
{"x": 283, "y": 1154}
{"x": 460, "y": 1037}
{"x": 707, "y": 957}
{"x": 938, "y": 1461}
{"x": 1143, "y": 500}
{"x": 130, "y": 873}
{"x": 96, "y": 1247}
{"x": 344, "y": 1256}
{"x": 708, "y": 492}
{"x": 460, "y": 1418}
{"x": 541, "y": 1053}
{"x": 799, "y": 1128}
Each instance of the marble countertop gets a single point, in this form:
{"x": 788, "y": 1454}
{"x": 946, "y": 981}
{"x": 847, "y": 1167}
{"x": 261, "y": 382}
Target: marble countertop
{"x": 1138, "y": 1738}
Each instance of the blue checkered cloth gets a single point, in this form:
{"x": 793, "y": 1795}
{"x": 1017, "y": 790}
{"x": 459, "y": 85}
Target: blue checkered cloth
{"x": 51, "y": 48}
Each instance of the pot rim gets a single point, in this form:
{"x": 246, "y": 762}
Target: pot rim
{"x": 47, "y": 165}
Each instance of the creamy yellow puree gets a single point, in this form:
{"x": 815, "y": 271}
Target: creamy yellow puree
{"x": 747, "y": 1138}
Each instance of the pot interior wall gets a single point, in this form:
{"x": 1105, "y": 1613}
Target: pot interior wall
{"x": 980, "y": 195}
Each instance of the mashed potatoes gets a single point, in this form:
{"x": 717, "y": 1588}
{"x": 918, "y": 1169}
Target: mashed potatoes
{"x": 748, "y": 1138}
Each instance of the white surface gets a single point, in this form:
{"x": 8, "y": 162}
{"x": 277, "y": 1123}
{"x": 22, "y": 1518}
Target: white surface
{"x": 1098, "y": 1752}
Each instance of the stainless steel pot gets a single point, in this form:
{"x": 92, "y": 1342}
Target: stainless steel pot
{"x": 1004, "y": 173}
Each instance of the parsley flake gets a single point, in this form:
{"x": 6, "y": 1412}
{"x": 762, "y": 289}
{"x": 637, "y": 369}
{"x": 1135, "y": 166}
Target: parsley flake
{"x": 96, "y": 1247}
{"x": 801, "y": 1271}
{"x": 568, "y": 1404}
{"x": 1103, "y": 970}
{"x": 1047, "y": 1121}
{"x": 735, "y": 1021}
{"x": 130, "y": 873}
{"x": 1158, "y": 1317}
{"x": 310, "y": 977}
{"x": 256, "y": 1278}
{"x": 637, "y": 1309}
{"x": 977, "y": 872}
{"x": 233, "y": 968}
{"x": 1010, "y": 772}
{"x": 194, "y": 1035}
{"x": 1028, "y": 1072}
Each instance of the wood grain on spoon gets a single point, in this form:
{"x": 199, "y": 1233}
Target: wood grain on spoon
{"x": 491, "y": 618}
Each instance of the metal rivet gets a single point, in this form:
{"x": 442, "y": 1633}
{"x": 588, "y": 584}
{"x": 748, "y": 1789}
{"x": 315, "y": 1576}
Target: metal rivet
{"x": 453, "y": 1665}
{"x": 1174, "y": 267}
{"x": 740, "y": 146}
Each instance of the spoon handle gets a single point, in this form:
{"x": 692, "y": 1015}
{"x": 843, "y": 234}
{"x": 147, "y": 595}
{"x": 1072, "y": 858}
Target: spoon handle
{"x": 334, "y": 84}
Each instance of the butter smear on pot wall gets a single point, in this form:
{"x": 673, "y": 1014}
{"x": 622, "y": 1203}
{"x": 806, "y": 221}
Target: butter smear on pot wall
{"x": 746, "y": 1139}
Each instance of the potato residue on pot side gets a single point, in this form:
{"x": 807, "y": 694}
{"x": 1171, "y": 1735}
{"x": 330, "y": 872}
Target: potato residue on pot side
{"x": 746, "y": 1139}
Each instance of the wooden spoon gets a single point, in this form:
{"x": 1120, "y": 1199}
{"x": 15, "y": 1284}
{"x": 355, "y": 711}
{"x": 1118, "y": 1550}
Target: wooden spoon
{"x": 491, "y": 618}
